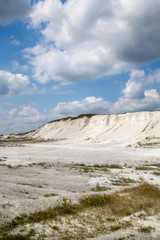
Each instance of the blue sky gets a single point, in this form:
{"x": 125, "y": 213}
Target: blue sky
{"x": 61, "y": 58}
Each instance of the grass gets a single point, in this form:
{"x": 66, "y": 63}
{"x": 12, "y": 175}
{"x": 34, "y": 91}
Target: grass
{"x": 89, "y": 115}
{"x": 115, "y": 228}
{"x": 123, "y": 181}
{"x": 156, "y": 165}
{"x": 11, "y": 167}
{"x": 55, "y": 228}
{"x": 149, "y": 144}
{"x": 144, "y": 168}
{"x": 45, "y": 165}
{"x": 121, "y": 238}
{"x": 88, "y": 138}
{"x": 97, "y": 207}
{"x": 15, "y": 237}
{"x": 108, "y": 166}
{"x": 19, "y": 236}
{"x": 145, "y": 229}
{"x": 50, "y": 195}
{"x": 109, "y": 219}
{"x": 99, "y": 188}
{"x": 95, "y": 167}
{"x": 156, "y": 173}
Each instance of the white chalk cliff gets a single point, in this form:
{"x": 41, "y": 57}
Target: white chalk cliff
{"x": 126, "y": 129}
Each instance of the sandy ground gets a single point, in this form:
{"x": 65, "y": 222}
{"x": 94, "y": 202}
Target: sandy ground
{"x": 30, "y": 171}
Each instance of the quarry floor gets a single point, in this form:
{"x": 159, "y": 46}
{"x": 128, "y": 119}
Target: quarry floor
{"x": 35, "y": 176}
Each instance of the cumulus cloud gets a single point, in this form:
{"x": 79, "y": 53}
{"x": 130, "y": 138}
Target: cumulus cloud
{"x": 136, "y": 95}
{"x": 22, "y": 119}
{"x": 28, "y": 118}
{"x": 150, "y": 102}
{"x": 30, "y": 114}
{"x": 12, "y": 112}
{"x": 91, "y": 39}
{"x": 135, "y": 85}
{"x": 87, "y": 105}
{"x": 14, "y": 84}
{"x": 11, "y": 10}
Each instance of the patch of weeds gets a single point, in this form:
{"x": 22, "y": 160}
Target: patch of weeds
{"x": 121, "y": 238}
{"x": 11, "y": 167}
{"x": 79, "y": 165}
{"x": 65, "y": 207}
{"x": 108, "y": 166}
{"x": 15, "y": 237}
{"x": 89, "y": 115}
{"x": 45, "y": 165}
{"x": 18, "y": 220}
{"x": 99, "y": 188}
{"x": 97, "y": 200}
{"x": 144, "y": 197}
{"x": 88, "y": 138}
{"x": 156, "y": 173}
{"x": 115, "y": 228}
{"x": 6, "y": 165}
{"x": 110, "y": 219}
{"x": 2, "y": 160}
{"x": 139, "y": 144}
{"x": 149, "y": 144}
{"x": 55, "y": 228}
{"x": 141, "y": 178}
{"x": 50, "y": 195}
{"x": 144, "y": 168}
{"x": 32, "y": 232}
{"x": 145, "y": 229}
{"x": 127, "y": 181}
{"x": 123, "y": 181}
{"x": 98, "y": 167}
{"x": 87, "y": 169}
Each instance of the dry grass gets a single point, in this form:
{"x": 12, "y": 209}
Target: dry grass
{"x": 144, "y": 168}
{"x": 96, "y": 167}
{"x": 93, "y": 211}
{"x": 99, "y": 188}
{"x": 50, "y": 195}
{"x": 89, "y": 115}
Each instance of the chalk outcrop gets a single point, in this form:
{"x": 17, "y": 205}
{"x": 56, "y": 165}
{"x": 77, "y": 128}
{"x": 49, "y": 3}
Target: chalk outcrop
{"x": 128, "y": 128}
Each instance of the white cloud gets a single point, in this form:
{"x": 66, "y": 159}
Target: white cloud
{"x": 136, "y": 96}
{"x": 28, "y": 111}
{"x": 29, "y": 118}
{"x": 12, "y": 112}
{"x": 87, "y": 105}
{"x": 135, "y": 85}
{"x": 15, "y": 42}
{"x": 22, "y": 119}
{"x": 90, "y": 39}
{"x": 11, "y": 10}
{"x": 14, "y": 84}
{"x": 151, "y": 101}
{"x": 17, "y": 66}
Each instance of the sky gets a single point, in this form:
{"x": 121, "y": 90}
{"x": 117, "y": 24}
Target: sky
{"x": 65, "y": 58}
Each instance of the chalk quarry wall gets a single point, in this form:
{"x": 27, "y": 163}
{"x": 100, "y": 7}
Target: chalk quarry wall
{"x": 128, "y": 128}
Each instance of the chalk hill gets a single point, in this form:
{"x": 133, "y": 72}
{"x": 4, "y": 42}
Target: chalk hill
{"x": 126, "y": 129}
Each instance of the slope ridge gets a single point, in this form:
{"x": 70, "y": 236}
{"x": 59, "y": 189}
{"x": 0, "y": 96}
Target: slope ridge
{"x": 128, "y": 128}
